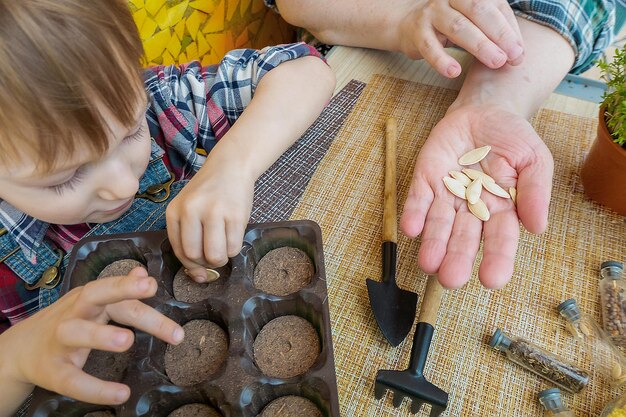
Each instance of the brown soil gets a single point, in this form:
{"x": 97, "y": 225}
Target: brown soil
{"x": 286, "y": 346}
{"x": 189, "y": 291}
{"x": 200, "y": 354}
{"x": 195, "y": 410}
{"x": 118, "y": 268}
{"x": 106, "y": 365}
{"x": 283, "y": 271}
{"x": 291, "y": 406}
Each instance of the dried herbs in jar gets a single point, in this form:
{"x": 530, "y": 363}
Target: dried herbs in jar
{"x": 545, "y": 364}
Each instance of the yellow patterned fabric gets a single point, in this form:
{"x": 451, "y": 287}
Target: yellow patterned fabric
{"x": 179, "y": 31}
{"x": 345, "y": 196}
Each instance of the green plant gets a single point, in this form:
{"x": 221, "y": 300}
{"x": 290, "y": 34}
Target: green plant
{"x": 614, "y": 98}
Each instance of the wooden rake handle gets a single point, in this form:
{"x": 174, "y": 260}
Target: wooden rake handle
{"x": 431, "y": 300}
{"x": 390, "y": 213}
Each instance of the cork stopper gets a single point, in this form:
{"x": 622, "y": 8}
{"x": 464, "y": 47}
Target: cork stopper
{"x": 500, "y": 341}
{"x": 569, "y": 310}
{"x": 551, "y": 400}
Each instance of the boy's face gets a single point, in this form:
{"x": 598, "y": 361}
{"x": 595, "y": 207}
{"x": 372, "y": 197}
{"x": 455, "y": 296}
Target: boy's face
{"x": 83, "y": 189}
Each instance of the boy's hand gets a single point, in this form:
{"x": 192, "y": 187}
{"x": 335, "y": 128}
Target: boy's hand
{"x": 52, "y": 346}
{"x": 451, "y": 235}
{"x": 207, "y": 220}
{"x": 486, "y": 29}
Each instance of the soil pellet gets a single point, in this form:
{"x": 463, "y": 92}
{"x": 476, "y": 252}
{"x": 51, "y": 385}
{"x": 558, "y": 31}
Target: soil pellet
{"x": 109, "y": 366}
{"x": 283, "y": 271}
{"x": 100, "y": 414}
{"x": 119, "y": 268}
{"x": 190, "y": 291}
{"x": 200, "y": 354}
{"x": 291, "y": 406}
{"x": 286, "y": 347}
{"x": 195, "y": 410}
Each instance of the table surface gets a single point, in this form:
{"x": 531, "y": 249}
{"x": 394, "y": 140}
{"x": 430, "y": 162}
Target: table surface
{"x": 360, "y": 64}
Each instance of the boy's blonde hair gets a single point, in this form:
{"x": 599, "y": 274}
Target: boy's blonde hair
{"x": 61, "y": 61}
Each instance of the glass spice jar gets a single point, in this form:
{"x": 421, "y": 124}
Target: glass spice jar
{"x": 612, "y": 284}
{"x": 552, "y": 402}
{"x": 545, "y": 364}
{"x": 606, "y": 357}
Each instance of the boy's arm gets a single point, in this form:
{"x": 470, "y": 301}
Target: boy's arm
{"x": 50, "y": 348}
{"x": 207, "y": 220}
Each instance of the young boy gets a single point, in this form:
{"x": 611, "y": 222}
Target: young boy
{"x": 77, "y": 159}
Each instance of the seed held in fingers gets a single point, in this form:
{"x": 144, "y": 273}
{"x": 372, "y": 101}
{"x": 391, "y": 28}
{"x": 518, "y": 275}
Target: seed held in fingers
{"x": 616, "y": 371}
{"x": 495, "y": 189}
{"x": 474, "y": 156}
{"x": 479, "y": 209}
{"x": 461, "y": 177}
{"x": 473, "y": 191}
{"x": 455, "y": 187}
{"x": 513, "y": 194}
{"x": 474, "y": 173}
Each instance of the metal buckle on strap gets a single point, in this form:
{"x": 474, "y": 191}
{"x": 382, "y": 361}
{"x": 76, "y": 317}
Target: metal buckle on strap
{"x": 51, "y": 277}
{"x": 154, "y": 190}
{"x": 3, "y": 231}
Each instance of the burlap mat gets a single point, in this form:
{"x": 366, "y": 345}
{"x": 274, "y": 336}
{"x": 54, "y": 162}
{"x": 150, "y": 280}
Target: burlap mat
{"x": 345, "y": 197}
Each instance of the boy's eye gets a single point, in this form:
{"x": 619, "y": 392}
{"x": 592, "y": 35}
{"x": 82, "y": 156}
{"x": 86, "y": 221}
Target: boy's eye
{"x": 137, "y": 135}
{"x": 69, "y": 184}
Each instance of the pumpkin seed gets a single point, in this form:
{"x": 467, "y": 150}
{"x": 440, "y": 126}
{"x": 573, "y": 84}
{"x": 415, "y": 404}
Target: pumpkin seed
{"x": 479, "y": 209}
{"x": 585, "y": 330}
{"x": 474, "y": 156}
{"x": 474, "y": 173}
{"x": 513, "y": 193}
{"x": 473, "y": 191}
{"x": 495, "y": 189}
{"x": 455, "y": 187}
{"x": 461, "y": 177}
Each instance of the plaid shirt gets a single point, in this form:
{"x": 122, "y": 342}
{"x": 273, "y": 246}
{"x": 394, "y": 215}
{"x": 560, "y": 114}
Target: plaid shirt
{"x": 586, "y": 24}
{"x": 191, "y": 107}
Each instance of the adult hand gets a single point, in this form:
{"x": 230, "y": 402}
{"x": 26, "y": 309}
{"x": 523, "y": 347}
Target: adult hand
{"x": 207, "y": 220}
{"x": 51, "y": 347}
{"x": 487, "y": 29}
{"x": 451, "y": 235}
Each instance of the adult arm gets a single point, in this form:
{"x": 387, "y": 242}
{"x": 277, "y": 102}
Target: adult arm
{"x": 418, "y": 28}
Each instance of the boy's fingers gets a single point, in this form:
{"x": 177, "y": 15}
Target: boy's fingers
{"x": 102, "y": 292}
{"x": 143, "y": 317}
{"x": 75, "y": 383}
{"x": 215, "y": 243}
{"x": 88, "y": 334}
{"x": 234, "y": 237}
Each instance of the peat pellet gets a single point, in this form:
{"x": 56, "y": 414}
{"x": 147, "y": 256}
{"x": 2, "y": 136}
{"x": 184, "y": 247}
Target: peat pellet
{"x": 291, "y": 406}
{"x": 119, "y": 268}
{"x": 190, "y": 291}
{"x": 195, "y": 410}
{"x": 109, "y": 366}
{"x": 100, "y": 414}
{"x": 286, "y": 347}
{"x": 283, "y": 271}
{"x": 200, "y": 354}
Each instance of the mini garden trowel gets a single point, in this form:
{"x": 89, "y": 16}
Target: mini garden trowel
{"x": 393, "y": 307}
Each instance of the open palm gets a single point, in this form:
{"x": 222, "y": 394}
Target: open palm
{"x": 451, "y": 235}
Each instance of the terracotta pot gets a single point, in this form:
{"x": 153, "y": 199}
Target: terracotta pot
{"x": 603, "y": 172}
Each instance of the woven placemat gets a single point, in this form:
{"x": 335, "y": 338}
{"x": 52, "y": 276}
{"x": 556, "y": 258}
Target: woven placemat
{"x": 345, "y": 197}
{"x": 278, "y": 191}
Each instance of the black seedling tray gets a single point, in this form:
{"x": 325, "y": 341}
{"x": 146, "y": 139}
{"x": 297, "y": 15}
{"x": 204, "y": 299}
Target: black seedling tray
{"x": 238, "y": 388}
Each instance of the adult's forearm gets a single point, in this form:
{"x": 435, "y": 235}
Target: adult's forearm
{"x": 523, "y": 88}
{"x": 366, "y": 23}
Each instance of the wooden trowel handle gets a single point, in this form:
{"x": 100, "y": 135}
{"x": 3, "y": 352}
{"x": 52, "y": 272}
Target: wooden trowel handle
{"x": 390, "y": 227}
{"x": 431, "y": 301}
